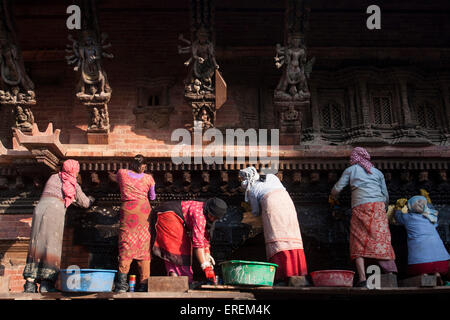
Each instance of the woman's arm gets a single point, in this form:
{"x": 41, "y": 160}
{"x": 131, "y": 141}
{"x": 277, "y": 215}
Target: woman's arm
{"x": 82, "y": 199}
{"x": 384, "y": 190}
{"x": 254, "y": 203}
{"x": 152, "y": 193}
{"x": 341, "y": 184}
{"x": 399, "y": 217}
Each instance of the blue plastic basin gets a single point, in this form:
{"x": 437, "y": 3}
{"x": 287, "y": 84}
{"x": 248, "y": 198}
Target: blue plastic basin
{"x": 87, "y": 280}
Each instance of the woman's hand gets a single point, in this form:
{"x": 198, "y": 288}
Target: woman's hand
{"x": 91, "y": 199}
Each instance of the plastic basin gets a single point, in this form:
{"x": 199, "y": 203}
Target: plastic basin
{"x": 87, "y": 280}
{"x": 239, "y": 272}
{"x": 332, "y": 278}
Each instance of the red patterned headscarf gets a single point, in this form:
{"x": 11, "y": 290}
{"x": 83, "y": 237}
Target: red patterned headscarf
{"x": 362, "y": 157}
{"x": 68, "y": 176}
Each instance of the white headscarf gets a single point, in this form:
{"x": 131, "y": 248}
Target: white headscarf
{"x": 250, "y": 176}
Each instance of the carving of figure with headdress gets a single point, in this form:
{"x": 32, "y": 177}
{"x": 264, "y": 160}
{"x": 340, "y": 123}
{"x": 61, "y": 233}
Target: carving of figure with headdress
{"x": 293, "y": 84}
{"x": 87, "y": 55}
{"x": 202, "y": 63}
{"x": 16, "y": 85}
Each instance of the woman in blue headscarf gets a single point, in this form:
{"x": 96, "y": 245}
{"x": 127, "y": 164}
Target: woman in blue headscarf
{"x": 426, "y": 251}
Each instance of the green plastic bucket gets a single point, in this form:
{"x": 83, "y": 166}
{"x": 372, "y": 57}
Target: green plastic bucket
{"x": 239, "y": 272}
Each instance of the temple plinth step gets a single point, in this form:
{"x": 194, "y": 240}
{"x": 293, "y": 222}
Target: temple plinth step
{"x": 424, "y": 280}
{"x": 4, "y": 284}
{"x": 388, "y": 280}
{"x": 167, "y": 283}
{"x": 299, "y": 281}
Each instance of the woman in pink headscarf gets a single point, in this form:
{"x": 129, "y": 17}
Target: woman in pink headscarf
{"x": 44, "y": 252}
{"x": 370, "y": 238}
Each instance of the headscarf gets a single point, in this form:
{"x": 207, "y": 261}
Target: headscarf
{"x": 249, "y": 176}
{"x": 362, "y": 157}
{"x": 68, "y": 177}
{"x": 418, "y": 204}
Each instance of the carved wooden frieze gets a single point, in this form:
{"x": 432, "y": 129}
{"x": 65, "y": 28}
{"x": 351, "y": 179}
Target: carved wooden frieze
{"x": 374, "y": 106}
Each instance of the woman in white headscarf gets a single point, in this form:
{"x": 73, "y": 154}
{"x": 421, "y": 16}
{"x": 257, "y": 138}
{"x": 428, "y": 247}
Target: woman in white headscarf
{"x": 268, "y": 198}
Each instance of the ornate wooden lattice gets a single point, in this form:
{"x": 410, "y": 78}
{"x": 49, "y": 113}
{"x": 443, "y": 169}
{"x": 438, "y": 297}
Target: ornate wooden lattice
{"x": 426, "y": 116}
{"x": 382, "y": 109}
{"x": 331, "y": 115}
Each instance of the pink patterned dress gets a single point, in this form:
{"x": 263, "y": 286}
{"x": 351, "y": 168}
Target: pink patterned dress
{"x": 134, "y": 233}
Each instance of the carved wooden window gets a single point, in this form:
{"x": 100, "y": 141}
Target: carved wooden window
{"x": 382, "y": 109}
{"x": 331, "y": 116}
{"x": 426, "y": 116}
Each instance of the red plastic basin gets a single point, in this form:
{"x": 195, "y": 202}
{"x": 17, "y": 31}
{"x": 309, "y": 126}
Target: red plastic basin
{"x": 332, "y": 278}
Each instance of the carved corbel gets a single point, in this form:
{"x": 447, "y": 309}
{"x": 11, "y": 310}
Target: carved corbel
{"x": 204, "y": 84}
{"x": 205, "y": 181}
{"x": 314, "y": 177}
{"x": 187, "y": 181}
{"x": 292, "y": 97}
{"x": 297, "y": 178}
{"x": 86, "y": 54}
{"x": 16, "y": 88}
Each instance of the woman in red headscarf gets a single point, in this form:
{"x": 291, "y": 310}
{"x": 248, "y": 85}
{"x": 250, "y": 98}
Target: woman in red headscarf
{"x": 44, "y": 252}
{"x": 370, "y": 238}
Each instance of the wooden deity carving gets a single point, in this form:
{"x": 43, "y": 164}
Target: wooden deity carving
{"x": 202, "y": 65}
{"x": 292, "y": 95}
{"x": 293, "y": 84}
{"x": 86, "y": 54}
{"x": 16, "y": 88}
{"x": 204, "y": 88}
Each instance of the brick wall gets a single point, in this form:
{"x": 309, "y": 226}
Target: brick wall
{"x": 14, "y": 238}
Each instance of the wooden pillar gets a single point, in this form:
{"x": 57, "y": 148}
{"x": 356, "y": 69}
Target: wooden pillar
{"x": 353, "y": 115}
{"x": 446, "y": 98}
{"x": 404, "y": 100}
{"x": 365, "y": 107}
{"x": 315, "y": 109}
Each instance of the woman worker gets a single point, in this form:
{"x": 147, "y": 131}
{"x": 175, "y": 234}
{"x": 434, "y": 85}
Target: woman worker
{"x": 181, "y": 226}
{"x": 370, "y": 237}
{"x": 44, "y": 252}
{"x": 136, "y": 188}
{"x": 426, "y": 251}
{"x": 284, "y": 245}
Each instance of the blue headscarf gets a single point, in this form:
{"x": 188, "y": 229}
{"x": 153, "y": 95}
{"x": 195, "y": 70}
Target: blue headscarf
{"x": 419, "y": 205}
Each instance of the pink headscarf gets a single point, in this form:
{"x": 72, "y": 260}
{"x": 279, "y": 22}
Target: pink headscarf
{"x": 362, "y": 157}
{"x": 68, "y": 176}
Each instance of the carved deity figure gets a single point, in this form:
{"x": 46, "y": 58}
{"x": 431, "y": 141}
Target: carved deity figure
{"x": 293, "y": 84}
{"x": 24, "y": 118}
{"x": 202, "y": 63}
{"x": 99, "y": 119}
{"x": 87, "y": 55}
{"x": 16, "y": 85}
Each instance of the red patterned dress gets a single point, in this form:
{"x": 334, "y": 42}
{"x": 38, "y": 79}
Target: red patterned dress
{"x": 176, "y": 236}
{"x": 369, "y": 232}
{"x": 134, "y": 234}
